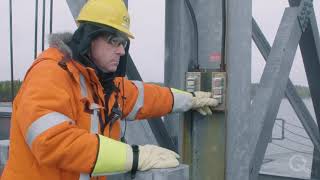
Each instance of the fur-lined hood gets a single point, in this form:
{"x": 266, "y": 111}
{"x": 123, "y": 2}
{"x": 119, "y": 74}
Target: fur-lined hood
{"x": 59, "y": 41}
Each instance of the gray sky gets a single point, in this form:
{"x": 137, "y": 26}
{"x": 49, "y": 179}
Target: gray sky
{"x": 147, "y": 24}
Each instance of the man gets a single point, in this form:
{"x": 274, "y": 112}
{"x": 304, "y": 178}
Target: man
{"x": 65, "y": 120}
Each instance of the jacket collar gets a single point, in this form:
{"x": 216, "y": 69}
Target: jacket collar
{"x": 60, "y": 51}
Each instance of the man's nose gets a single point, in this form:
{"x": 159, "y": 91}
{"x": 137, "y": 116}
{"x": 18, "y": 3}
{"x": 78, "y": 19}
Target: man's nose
{"x": 120, "y": 50}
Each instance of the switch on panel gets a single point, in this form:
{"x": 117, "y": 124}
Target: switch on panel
{"x": 193, "y": 81}
{"x": 218, "y": 89}
{"x": 208, "y": 81}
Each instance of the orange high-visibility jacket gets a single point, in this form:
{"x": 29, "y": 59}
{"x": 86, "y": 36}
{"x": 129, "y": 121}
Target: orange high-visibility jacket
{"x": 50, "y": 127}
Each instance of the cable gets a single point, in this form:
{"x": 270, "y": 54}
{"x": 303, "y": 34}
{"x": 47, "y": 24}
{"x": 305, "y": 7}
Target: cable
{"x": 297, "y": 134}
{"x": 294, "y": 125}
{"x": 278, "y": 154}
{"x": 36, "y": 30}
{"x": 310, "y": 153}
{"x": 295, "y": 151}
{"x": 294, "y": 132}
{"x": 51, "y": 16}
{"x": 297, "y": 142}
{"x": 224, "y": 21}
{"x": 11, "y": 52}
{"x": 43, "y": 22}
{"x": 196, "y": 33}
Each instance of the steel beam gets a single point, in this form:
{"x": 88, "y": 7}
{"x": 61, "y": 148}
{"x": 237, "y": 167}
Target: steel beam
{"x": 265, "y": 104}
{"x": 238, "y": 59}
{"x": 296, "y": 102}
{"x": 75, "y": 7}
{"x": 126, "y": 2}
{"x": 310, "y": 50}
{"x": 260, "y": 40}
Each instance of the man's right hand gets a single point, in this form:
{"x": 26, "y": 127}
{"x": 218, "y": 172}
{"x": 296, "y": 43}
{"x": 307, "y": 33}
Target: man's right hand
{"x": 152, "y": 157}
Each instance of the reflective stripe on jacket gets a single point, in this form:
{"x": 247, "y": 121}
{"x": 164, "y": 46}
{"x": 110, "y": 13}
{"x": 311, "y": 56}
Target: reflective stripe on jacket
{"x": 50, "y": 126}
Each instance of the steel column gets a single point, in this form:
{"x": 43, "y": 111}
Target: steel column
{"x": 310, "y": 50}
{"x": 238, "y": 57}
{"x": 203, "y": 140}
{"x": 265, "y": 104}
{"x": 178, "y": 56}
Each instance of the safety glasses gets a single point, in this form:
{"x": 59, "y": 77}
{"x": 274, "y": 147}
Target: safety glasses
{"x": 116, "y": 41}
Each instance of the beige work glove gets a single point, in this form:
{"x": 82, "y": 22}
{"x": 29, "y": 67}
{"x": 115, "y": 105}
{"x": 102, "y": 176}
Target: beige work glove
{"x": 199, "y": 101}
{"x": 202, "y": 102}
{"x": 151, "y": 156}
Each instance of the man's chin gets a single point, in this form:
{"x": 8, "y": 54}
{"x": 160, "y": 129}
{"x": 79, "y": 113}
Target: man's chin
{"x": 109, "y": 70}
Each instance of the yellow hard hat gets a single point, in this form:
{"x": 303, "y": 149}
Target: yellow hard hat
{"x": 112, "y": 13}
